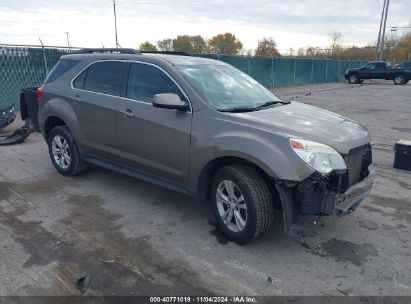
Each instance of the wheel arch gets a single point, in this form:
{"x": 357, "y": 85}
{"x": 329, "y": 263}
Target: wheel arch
{"x": 209, "y": 170}
{"x": 50, "y": 123}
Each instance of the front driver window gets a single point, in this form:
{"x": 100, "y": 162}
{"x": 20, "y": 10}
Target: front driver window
{"x": 370, "y": 66}
{"x": 145, "y": 81}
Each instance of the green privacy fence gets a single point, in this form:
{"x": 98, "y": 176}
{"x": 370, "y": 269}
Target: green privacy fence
{"x": 28, "y": 66}
{"x": 283, "y": 71}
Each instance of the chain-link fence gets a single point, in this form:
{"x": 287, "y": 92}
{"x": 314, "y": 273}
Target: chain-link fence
{"x": 25, "y": 66}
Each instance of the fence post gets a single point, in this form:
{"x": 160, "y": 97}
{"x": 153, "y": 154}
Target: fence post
{"x": 44, "y": 58}
{"x": 312, "y": 71}
{"x": 295, "y": 63}
{"x": 272, "y": 71}
{"x": 338, "y": 71}
{"x": 326, "y": 70}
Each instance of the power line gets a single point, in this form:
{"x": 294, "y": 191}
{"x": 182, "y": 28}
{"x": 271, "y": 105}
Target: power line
{"x": 164, "y": 2}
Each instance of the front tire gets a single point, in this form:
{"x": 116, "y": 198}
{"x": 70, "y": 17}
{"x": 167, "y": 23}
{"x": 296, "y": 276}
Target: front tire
{"x": 242, "y": 204}
{"x": 64, "y": 153}
{"x": 353, "y": 79}
{"x": 399, "y": 79}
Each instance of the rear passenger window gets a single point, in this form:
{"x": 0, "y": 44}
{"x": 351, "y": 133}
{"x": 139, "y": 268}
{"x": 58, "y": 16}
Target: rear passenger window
{"x": 61, "y": 67}
{"x": 145, "y": 81}
{"x": 104, "y": 77}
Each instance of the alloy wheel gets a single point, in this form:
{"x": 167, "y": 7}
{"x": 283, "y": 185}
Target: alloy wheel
{"x": 61, "y": 152}
{"x": 231, "y": 206}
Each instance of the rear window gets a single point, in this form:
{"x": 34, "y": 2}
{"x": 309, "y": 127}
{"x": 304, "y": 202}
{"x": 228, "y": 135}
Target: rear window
{"x": 407, "y": 65}
{"x": 104, "y": 77}
{"x": 60, "y": 68}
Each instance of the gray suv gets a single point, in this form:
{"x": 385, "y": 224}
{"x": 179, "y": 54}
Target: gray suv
{"x": 204, "y": 128}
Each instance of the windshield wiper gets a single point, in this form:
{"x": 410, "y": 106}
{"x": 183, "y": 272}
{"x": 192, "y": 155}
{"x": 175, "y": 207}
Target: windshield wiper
{"x": 270, "y": 103}
{"x": 238, "y": 109}
{"x": 252, "y": 109}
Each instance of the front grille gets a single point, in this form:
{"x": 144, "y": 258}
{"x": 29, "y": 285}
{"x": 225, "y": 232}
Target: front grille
{"x": 358, "y": 161}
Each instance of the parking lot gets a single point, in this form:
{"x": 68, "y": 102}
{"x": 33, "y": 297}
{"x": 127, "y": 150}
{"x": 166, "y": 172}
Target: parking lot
{"x": 134, "y": 238}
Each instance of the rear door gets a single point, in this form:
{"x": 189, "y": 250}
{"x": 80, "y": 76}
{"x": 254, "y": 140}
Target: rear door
{"x": 153, "y": 140}
{"x": 96, "y": 102}
{"x": 380, "y": 70}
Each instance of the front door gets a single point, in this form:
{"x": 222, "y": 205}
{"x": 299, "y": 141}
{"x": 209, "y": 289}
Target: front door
{"x": 368, "y": 71}
{"x": 154, "y": 141}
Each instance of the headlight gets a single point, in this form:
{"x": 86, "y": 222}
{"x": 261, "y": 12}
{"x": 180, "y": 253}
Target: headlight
{"x": 320, "y": 157}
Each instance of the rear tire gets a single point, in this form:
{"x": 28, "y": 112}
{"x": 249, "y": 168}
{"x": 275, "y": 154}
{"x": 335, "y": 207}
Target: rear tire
{"x": 405, "y": 82}
{"x": 242, "y": 204}
{"x": 353, "y": 79}
{"x": 399, "y": 79}
{"x": 64, "y": 153}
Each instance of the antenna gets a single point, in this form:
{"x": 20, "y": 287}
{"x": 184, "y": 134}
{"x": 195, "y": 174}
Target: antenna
{"x": 115, "y": 21}
{"x": 68, "y": 40}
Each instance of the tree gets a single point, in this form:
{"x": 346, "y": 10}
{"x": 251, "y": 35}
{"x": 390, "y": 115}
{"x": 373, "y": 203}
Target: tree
{"x": 267, "y": 47}
{"x": 199, "y": 45}
{"x": 183, "y": 44}
{"x": 404, "y": 48}
{"x": 165, "y": 45}
{"x": 336, "y": 44}
{"x": 225, "y": 44}
{"x": 191, "y": 44}
{"x": 147, "y": 46}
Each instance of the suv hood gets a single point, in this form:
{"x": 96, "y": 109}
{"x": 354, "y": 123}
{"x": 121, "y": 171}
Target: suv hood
{"x": 311, "y": 123}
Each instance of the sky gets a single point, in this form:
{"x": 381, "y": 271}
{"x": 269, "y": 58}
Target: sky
{"x": 292, "y": 23}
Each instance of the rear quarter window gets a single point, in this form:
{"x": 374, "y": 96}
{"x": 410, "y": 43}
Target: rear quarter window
{"x": 103, "y": 77}
{"x": 60, "y": 68}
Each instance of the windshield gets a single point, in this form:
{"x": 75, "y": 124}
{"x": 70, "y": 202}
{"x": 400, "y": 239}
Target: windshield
{"x": 224, "y": 87}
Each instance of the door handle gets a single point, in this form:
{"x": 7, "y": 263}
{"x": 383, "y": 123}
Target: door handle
{"x": 127, "y": 113}
{"x": 76, "y": 99}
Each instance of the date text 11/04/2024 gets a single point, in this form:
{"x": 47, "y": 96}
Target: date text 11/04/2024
{"x": 239, "y": 299}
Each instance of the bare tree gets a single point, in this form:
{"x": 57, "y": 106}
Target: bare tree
{"x": 336, "y": 44}
{"x": 267, "y": 47}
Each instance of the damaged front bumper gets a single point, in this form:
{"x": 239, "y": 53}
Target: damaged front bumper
{"x": 7, "y": 116}
{"x": 349, "y": 200}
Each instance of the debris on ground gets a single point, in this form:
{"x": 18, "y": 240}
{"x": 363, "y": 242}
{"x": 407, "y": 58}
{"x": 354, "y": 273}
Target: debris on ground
{"x": 83, "y": 283}
{"x": 17, "y": 137}
{"x": 106, "y": 261}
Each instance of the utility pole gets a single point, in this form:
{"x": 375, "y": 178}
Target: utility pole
{"x": 115, "y": 21}
{"x": 384, "y": 29}
{"x": 381, "y": 34}
{"x": 68, "y": 40}
{"x": 377, "y": 50}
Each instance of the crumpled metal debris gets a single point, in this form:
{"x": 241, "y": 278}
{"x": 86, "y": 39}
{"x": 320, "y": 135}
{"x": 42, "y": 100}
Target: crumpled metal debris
{"x": 17, "y": 137}
{"x": 7, "y": 116}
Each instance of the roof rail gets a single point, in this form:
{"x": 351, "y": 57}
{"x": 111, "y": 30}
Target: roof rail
{"x": 167, "y": 53}
{"x": 106, "y": 50}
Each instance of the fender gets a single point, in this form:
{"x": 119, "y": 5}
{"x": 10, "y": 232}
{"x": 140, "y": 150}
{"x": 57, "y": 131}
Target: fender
{"x": 270, "y": 155}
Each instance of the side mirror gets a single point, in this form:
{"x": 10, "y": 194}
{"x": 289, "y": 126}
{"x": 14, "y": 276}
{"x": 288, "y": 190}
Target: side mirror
{"x": 170, "y": 101}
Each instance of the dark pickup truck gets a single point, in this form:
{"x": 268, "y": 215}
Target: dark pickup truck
{"x": 378, "y": 70}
